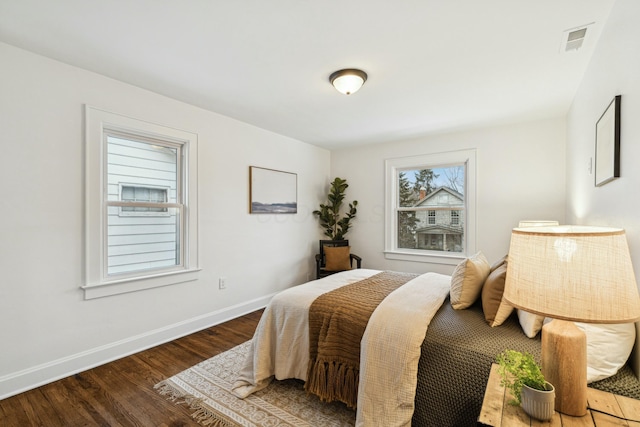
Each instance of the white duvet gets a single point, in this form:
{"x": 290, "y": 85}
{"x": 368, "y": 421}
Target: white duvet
{"x": 389, "y": 351}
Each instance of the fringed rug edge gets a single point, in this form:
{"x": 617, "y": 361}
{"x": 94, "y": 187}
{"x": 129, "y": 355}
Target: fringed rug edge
{"x": 203, "y": 414}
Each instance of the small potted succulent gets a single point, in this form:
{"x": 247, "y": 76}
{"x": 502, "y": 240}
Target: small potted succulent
{"x": 522, "y": 375}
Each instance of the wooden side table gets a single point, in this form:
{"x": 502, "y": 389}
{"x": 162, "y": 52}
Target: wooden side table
{"x": 497, "y": 412}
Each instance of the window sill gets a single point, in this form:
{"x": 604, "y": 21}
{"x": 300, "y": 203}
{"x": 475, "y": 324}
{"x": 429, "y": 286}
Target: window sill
{"x": 418, "y": 256}
{"x": 116, "y": 287}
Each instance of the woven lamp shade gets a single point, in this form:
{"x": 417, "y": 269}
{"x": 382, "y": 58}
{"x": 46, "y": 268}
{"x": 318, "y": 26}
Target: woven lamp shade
{"x": 536, "y": 223}
{"x": 575, "y": 273}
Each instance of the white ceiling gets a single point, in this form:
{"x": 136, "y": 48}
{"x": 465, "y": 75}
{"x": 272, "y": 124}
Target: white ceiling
{"x": 433, "y": 65}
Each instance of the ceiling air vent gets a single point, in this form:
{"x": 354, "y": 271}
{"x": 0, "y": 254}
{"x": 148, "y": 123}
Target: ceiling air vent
{"x": 574, "y": 38}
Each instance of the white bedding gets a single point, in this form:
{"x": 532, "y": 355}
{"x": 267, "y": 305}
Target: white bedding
{"x": 389, "y": 350}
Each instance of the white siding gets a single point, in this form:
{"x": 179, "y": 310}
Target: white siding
{"x": 141, "y": 240}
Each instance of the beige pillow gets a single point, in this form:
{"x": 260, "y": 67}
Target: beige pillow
{"x": 467, "y": 280}
{"x": 496, "y": 309}
{"x": 337, "y": 258}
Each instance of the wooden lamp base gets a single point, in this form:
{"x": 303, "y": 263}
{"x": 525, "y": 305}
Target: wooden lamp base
{"x": 564, "y": 364}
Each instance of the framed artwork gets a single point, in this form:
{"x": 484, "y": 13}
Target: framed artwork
{"x": 608, "y": 144}
{"x": 272, "y": 191}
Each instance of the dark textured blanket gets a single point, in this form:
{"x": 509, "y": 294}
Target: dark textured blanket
{"x": 337, "y": 321}
{"x": 456, "y": 359}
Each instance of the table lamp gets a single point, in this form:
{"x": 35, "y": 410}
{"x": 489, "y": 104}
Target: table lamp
{"x": 571, "y": 273}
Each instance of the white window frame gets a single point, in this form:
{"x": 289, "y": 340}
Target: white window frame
{"x": 455, "y": 217}
{"x": 96, "y": 282}
{"x": 431, "y": 217}
{"x": 429, "y": 161}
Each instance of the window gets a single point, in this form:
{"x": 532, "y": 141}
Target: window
{"x": 141, "y": 209}
{"x": 455, "y": 217}
{"x": 132, "y": 193}
{"x": 431, "y": 217}
{"x": 430, "y": 207}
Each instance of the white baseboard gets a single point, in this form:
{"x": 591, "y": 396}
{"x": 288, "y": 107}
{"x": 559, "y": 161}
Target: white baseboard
{"x": 36, "y": 376}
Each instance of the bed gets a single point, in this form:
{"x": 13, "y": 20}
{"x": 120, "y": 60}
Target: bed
{"x": 430, "y": 374}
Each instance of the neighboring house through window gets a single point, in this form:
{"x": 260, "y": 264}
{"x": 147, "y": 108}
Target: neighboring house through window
{"x": 430, "y": 207}
{"x": 141, "y": 205}
{"x": 438, "y": 231}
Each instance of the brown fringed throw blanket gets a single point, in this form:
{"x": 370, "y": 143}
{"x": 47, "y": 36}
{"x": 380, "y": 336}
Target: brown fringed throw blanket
{"x": 337, "y": 321}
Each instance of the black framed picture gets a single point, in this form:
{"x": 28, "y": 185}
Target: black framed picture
{"x": 608, "y": 144}
{"x": 272, "y": 191}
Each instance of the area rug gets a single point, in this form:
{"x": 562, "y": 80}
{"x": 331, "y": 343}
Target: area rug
{"x": 206, "y": 388}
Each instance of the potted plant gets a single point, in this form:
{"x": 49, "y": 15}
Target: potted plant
{"x": 329, "y": 214}
{"x": 522, "y": 375}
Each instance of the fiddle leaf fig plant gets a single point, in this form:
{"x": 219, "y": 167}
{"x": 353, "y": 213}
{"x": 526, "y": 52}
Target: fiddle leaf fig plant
{"x": 335, "y": 226}
{"x": 518, "y": 369}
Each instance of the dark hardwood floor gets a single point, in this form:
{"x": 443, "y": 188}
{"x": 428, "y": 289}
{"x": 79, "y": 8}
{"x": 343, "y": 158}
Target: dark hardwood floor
{"x": 121, "y": 393}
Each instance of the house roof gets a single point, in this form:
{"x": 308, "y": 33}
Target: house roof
{"x": 434, "y": 66}
{"x": 438, "y": 191}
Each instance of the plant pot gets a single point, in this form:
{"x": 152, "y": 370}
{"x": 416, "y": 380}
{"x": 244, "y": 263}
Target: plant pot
{"x": 539, "y": 404}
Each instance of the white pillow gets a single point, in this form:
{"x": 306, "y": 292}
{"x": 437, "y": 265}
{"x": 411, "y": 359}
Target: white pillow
{"x": 608, "y": 347}
{"x": 531, "y": 323}
{"x": 467, "y": 280}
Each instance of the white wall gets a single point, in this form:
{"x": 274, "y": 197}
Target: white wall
{"x": 520, "y": 175}
{"x": 48, "y": 329}
{"x": 613, "y": 70}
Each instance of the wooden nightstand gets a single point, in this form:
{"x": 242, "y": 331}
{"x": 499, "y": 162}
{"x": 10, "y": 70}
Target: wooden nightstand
{"x": 497, "y": 412}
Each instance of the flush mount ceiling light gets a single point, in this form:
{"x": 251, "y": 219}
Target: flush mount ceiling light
{"x": 348, "y": 81}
